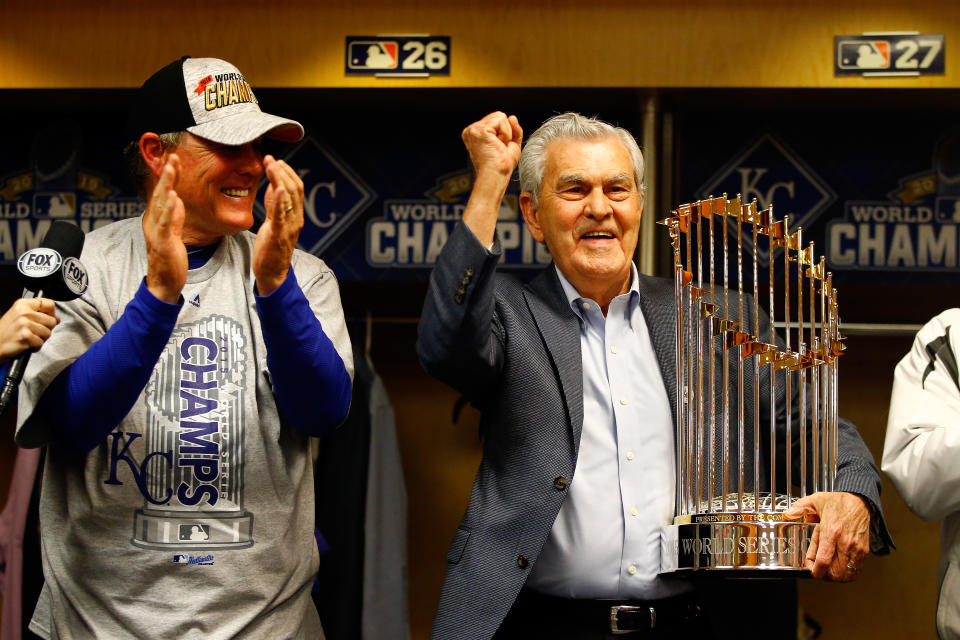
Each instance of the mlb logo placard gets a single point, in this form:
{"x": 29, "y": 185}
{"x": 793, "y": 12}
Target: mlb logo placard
{"x": 370, "y": 55}
{"x": 864, "y": 55}
{"x": 398, "y": 55}
{"x": 901, "y": 53}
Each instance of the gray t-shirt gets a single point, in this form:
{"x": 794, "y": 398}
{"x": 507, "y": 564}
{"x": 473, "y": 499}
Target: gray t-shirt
{"x": 194, "y": 518}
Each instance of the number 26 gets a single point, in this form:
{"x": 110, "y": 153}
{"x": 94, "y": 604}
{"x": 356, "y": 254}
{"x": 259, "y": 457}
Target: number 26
{"x": 435, "y": 58}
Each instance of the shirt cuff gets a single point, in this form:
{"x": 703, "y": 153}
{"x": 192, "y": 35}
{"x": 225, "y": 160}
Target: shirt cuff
{"x": 281, "y": 294}
{"x": 166, "y": 311}
{"x": 878, "y": 544}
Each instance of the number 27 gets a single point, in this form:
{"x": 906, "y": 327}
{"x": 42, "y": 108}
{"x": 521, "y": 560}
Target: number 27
{"x": 906, "y": 60}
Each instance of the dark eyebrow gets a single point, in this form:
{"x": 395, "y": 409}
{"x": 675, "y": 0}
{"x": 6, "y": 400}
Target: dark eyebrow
{"x": 620, "y": 177}
{"x": 576, "y": 178}
{"x": 570, "y": 178}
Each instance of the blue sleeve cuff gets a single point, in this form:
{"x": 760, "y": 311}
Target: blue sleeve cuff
{"x": 310, "y": 382}
{"x": 281, "y": 294}
{"x": 166, "y": 311}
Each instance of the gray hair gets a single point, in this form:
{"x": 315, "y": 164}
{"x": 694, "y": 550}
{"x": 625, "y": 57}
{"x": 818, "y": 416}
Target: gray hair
{"x": 574, "y": 126}
{"x": 137, "y": 168}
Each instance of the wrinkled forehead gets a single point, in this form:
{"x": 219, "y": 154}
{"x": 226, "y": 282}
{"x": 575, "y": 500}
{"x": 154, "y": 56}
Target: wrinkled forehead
{"x": 603, "y": 158}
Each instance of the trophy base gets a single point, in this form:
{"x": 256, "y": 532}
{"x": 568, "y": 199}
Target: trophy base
{"x": 736, "y": 544}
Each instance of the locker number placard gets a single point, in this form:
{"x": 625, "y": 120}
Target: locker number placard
{"x": 398, "y": 55}
{"x": 889, "y": 54}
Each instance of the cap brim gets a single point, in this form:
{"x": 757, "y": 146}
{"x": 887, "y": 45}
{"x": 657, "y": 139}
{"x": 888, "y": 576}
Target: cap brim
{"x": 241, "y": 128}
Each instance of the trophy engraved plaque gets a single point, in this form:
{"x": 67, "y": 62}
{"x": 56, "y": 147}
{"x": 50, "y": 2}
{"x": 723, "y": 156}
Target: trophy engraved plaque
{"x": 756, "y": 415}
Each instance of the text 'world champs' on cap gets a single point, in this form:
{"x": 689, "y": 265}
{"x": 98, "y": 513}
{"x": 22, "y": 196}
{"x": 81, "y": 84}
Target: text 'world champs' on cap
{"x": 209, "y": 98}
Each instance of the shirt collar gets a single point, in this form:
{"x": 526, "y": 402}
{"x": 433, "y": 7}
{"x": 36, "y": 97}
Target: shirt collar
{"x": 576, "y": 300}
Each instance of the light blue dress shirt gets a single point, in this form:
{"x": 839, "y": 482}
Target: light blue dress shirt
{"x": 605, "y": 542}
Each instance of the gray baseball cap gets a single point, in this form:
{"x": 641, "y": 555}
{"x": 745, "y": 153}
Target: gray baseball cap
{"x": 209, "y": 98}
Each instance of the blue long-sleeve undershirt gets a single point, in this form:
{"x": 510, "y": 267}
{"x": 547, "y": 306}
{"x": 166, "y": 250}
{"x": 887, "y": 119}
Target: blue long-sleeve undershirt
{"x": 90, "y": 397}
{"x": 310, "y": 381}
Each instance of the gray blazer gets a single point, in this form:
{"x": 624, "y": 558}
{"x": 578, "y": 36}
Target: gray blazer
{"x": 514, "y": 351}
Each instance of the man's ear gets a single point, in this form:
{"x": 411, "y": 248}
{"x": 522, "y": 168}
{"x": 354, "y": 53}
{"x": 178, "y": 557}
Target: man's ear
{"x": 153, "y": 153}
{"x": 530, "y": 216}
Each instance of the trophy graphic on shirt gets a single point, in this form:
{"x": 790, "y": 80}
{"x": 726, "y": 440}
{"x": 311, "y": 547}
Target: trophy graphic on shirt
{"x": 193, "y": 488}
{"x": 746, "y": 448}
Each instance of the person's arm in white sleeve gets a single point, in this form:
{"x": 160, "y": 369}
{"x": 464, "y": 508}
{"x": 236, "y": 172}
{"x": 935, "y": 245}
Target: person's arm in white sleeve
{"x": 921, "y": 453}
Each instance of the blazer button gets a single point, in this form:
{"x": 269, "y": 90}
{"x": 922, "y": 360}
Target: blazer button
{"x": 468, "y": 271}
{"x": 522, "y": 561}
{"x": 560, "y": 483}
{"x": 458, "y": 298}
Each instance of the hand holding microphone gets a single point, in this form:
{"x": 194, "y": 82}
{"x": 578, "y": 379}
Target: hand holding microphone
{"x": 51, "y": 270}
{"x": 26, "y": 325}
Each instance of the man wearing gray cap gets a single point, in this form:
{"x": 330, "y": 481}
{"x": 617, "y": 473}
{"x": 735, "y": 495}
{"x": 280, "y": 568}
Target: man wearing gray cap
{"x": 178, "y": 492}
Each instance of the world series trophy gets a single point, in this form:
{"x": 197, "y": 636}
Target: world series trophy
{"x": 729, "y": 499}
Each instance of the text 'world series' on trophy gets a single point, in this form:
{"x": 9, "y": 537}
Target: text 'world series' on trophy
{"x": 746, "y": 447}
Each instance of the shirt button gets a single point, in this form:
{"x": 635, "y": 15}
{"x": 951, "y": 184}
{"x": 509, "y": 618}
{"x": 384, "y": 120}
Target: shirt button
{"x": 623, "y": 401}
{"x": 631, "y": 569}
{"x": 586, "y": 305}
{"x": 629, "y": 455}
{"x": 634, "y": 511}
{"x": 613, "y": 349}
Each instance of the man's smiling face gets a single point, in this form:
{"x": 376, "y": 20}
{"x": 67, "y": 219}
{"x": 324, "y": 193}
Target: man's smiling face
{"x": 589, "y": 212}
{"x": 218, "y": 186}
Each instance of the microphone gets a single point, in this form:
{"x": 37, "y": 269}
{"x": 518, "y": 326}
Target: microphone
{"x": 52, "y": 270}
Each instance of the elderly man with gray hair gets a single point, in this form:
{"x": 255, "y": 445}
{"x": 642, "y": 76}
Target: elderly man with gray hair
{"x": 562, "y": 535}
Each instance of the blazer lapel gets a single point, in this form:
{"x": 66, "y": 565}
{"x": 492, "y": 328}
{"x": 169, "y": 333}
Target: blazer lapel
{"x": 559, "y": 327}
